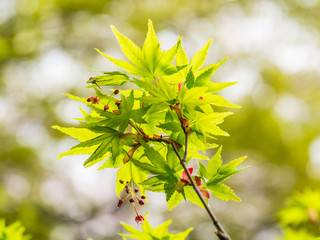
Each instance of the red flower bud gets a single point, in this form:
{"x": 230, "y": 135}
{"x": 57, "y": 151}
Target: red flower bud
{"x": 89, "y": 99}
{"x": 106, "y": 107}
{"x": 120, "y": 203}
{"x": 201, "y": 98}
{"x": 141, "y": 202}
{"x": 116, "y": 91}
{"x": 118, "y": 104}
{"x": 127, "y": 190}
{"x": 121, "y": 181}
{"x": 131, "y": 200}
{"x": 90, "y": 78}
{"x": 179, "y": 86}
{"x": 136, "y": 190}
{"x": 185, "y": 122}
{"x": 143, "y": 197}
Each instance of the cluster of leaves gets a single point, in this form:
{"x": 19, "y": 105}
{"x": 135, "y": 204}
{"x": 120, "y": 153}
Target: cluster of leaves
{"x": 301, "y": 218}
{"x": 144, "y": 132}
{"x": 14, "y": 231}
{"x": 149, "y": 233}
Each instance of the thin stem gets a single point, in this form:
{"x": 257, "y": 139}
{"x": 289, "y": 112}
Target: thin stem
{"x": 221, "y": 233}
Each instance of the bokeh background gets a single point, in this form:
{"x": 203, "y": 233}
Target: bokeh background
{"x": 47, "y": 50}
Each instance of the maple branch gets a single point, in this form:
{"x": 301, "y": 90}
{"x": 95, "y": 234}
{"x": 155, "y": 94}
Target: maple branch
{"x": 221, "y": 233}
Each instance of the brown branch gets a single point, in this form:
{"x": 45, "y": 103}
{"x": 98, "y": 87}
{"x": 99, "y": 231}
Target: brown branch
{"x": 221, "y": 233}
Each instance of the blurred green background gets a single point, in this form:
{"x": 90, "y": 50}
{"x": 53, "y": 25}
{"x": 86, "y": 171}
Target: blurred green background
{"x": 47, "y": 50}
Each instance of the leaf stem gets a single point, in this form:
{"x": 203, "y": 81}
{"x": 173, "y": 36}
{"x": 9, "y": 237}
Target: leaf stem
{"x": 221, "y": 233}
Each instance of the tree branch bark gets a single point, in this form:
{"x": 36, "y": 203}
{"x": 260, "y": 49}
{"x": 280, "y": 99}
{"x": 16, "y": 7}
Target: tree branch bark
{"x": 221, "y": 233}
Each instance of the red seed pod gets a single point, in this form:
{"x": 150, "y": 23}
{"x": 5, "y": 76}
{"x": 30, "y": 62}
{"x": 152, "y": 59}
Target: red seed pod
{"x": 106, "y": 107}
{"x": 139, "y": 219}
{"x": 95, "y": 100}
{"x": 127, "y": 190}
{"x": 120, "y": 203}
{"x": 89, "y": 99}
{"x": 131, "y": 200}
{"x": 116, "y": 91}
{"x": 143, "y": 197}
{"x": 141, "y": 202}
{"x": 136, "y": 190}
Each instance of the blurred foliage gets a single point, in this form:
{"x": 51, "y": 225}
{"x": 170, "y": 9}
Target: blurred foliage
{"x": 300, "y": 218}
{"x": 35, "y": 36}
{"x": 14, "y": 231}
{"x": 149, "y": 233}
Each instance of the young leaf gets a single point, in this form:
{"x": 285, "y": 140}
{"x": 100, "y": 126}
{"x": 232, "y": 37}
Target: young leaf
{"x": 130, "y": 50}
{"x": 174, "y": 200}
{"x": 158, "y": 233}
{"x": 199, "y": 58}
{"x": 214, "y": 164}
{"x": 81, "y": 134}
{"x": 151, "y": 48}
{"x": 110, "y": 79}
{"x": 192, "y": 196}
{"x": 223, "y": 192}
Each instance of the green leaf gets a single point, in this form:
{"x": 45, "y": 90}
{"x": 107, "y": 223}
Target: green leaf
{"x": 216, "y": 87}
{"x": 155, "y": 157}
{"x": 230, "y": 167}
{"x": 192, "y": 196}
{"x": 198, "y": 59}
{"x": 158, "y": 233}
{"x": 81, "y": 134}
{"x": 110, "y": 79}
{"x": 165, "y": 66}
{"x": 174, "y": 200}
{"x": 189, "y": 79}
{"x": 220, "y": 101}
{"x": 130, "y": 50}
{"x": 148, "y": 168}
{"x": 77, "y": 151}
{"x": 123, "y": 64}
{"x": 205, "y": 73}
{"x": 100, "y": 151}
{"x": 223, "y": 192}
{"x": 151, "y": 48}
{"x": 214, "y": 164}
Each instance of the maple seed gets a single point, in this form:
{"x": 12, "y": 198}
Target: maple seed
{"x": 120, "y": 203}
{"x": 116, "y": 91}
{"x": 143, "y": 197}
{"x": 95, "y": 100}
{"x": 141, "y": 202}
{"x": 139, "y": 219}
{"x": 136, "y": 190}
{"x": 106, "y": 107}
{"x": 131, "y": 200}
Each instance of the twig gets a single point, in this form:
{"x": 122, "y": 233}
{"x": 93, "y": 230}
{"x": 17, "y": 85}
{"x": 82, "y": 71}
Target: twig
{"x": 221, "y": 233}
